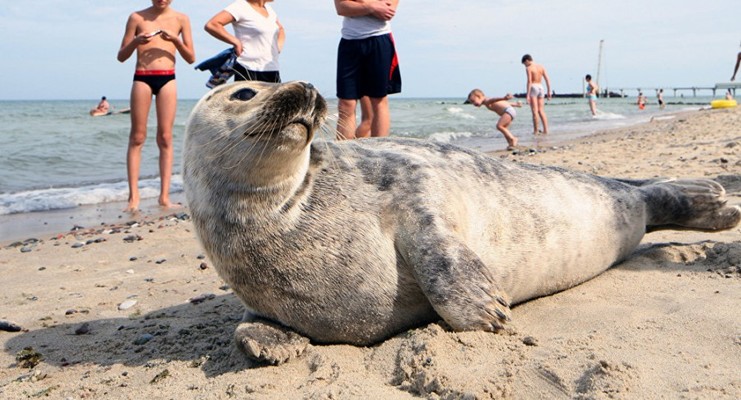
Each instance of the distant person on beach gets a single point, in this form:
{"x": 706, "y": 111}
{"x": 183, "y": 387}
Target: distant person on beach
{"x": 535, "y": 93}
{"x": 502, "y": 107}
{"x": 367, "y": 64}
{"x": 102, "y": 108}
{"x": 729, "y": 95}
{"x": 592, "y": 90}
{"x": 735, "y": 69}
{"x": 660, "y": 98}
{"x": 258, "y": 38}
{"x": 641, "y": 101}
{"x": 156, "y": 34}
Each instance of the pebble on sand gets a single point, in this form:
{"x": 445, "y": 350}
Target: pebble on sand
{"x": 201, "y": 298}
{"x": 8, "y": 326}
{"x": 83, "y": 329}
{"x": 126, "y": 304}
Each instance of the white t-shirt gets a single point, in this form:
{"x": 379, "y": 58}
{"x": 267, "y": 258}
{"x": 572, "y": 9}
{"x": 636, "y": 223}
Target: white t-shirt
{"x": 258, "y": 34}
{"x": 366, "y": 26}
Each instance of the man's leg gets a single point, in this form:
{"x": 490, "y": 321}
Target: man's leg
{"x": 541, "y": 112}
{"x": 166, "y": 103}
{"x": 346, "y": 119}
{"x": 366, "y": 117}
{"x": 534, "y": 108}
{"x": 141, "y": 100}
{"x": 381, "y": 123}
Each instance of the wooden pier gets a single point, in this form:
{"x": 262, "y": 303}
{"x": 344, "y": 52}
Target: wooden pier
{"x": 694, "y": 89}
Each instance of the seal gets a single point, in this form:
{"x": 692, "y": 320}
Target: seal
{"x": 356, "y": 241}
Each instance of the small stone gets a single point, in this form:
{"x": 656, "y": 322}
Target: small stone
{"x": 160, "y": 261}
{"x": 201, "y": 257}
{"x": 8, "y": 326}
{"x": 78, "y": 245}
{"x": 530, "y": 341}
{"x": 132, "y": 238}
{"x": 133, "y": 258}
{"x": 143, "y": 339}
{"x": 127, "y": 304}
{"x": 42, "y": 268}
{"x": 70, "y": 312}
{"x": 25, "y": 249}
{"x": 129, "y": 271}
{"x": 203, "y": 266}
{"x": 201, "y": 298}
{"x": 83, "y": 329}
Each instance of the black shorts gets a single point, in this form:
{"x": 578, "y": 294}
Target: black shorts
{"x": 367, "y": 67}
{"x": 243, "y": 74}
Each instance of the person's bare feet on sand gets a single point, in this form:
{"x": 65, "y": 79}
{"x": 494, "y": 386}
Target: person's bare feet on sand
{"x": 133, "y": 206}
{"x": 512, "y": 144}
{"x": 166, "y": 203}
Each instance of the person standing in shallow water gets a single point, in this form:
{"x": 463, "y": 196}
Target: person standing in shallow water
{"x": 535, "y": 93}
{"x": 592, "y": 90}
{"x": 155, "y": 34}
{"x": 367, "y": 66}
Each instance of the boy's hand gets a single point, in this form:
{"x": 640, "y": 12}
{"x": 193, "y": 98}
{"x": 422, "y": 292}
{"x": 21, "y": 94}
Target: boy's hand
{"x": 167, "y": 36}
{"x": 143, "y": 38}
{"x": 508, "y": 96}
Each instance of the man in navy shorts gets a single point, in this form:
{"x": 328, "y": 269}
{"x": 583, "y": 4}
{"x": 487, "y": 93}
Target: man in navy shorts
{"x": 367, "y": 65}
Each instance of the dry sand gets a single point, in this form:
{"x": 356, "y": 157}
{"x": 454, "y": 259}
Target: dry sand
{"x": 664, "y": 324}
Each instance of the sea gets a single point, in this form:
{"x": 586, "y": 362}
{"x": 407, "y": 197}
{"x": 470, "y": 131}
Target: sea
{"x": 57, "y": 158}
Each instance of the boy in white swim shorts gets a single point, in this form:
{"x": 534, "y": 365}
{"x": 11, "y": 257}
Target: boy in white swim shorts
{"x": 502, "y": 107}
{"x": 535, "y": 94}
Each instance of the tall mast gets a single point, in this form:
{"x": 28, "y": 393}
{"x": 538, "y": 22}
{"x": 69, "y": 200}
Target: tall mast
{"x": 599, "y": 61}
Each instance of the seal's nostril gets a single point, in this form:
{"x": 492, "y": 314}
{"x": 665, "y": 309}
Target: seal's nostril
{"x": 244, "y": 94}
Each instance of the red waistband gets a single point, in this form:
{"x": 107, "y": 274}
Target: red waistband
{"x": 154, "y": 72}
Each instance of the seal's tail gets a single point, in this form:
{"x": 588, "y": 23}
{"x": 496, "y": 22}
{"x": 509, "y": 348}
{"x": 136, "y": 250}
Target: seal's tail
{"x": 688, "y": 204}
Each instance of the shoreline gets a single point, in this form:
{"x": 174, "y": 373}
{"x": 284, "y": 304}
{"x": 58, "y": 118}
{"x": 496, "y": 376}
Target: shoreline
{"x": 39, "y": 225}
{"x": 134, "y": 308}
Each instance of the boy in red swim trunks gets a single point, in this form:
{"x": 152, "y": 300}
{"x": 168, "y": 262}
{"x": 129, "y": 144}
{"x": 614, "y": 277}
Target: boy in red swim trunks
{"x": 156, "y": 34}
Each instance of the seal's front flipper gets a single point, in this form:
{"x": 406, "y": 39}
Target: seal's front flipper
{"x": 689, "y": 204}
{"x": 267, "y": 342}
{"x": 459, "y": 286}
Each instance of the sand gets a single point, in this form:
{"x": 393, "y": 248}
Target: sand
{"x": 134, "y": 309}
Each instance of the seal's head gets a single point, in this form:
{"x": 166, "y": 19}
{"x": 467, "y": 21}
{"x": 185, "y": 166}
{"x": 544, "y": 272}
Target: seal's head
{"x": 253, "y": 126}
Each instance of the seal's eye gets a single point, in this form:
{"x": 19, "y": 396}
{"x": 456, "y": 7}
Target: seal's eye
{"x": 244, "y": 94}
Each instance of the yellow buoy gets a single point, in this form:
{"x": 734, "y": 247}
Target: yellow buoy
{"x": 723, "y": 103}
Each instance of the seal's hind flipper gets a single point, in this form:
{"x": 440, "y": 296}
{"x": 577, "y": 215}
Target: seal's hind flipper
{"x": 689, "y": 204}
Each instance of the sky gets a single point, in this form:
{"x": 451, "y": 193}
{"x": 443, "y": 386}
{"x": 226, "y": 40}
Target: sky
{"x": 66, "y": 49}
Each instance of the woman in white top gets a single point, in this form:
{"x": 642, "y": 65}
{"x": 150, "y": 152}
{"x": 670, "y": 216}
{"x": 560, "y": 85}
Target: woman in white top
{"x": 258, "y": 38}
